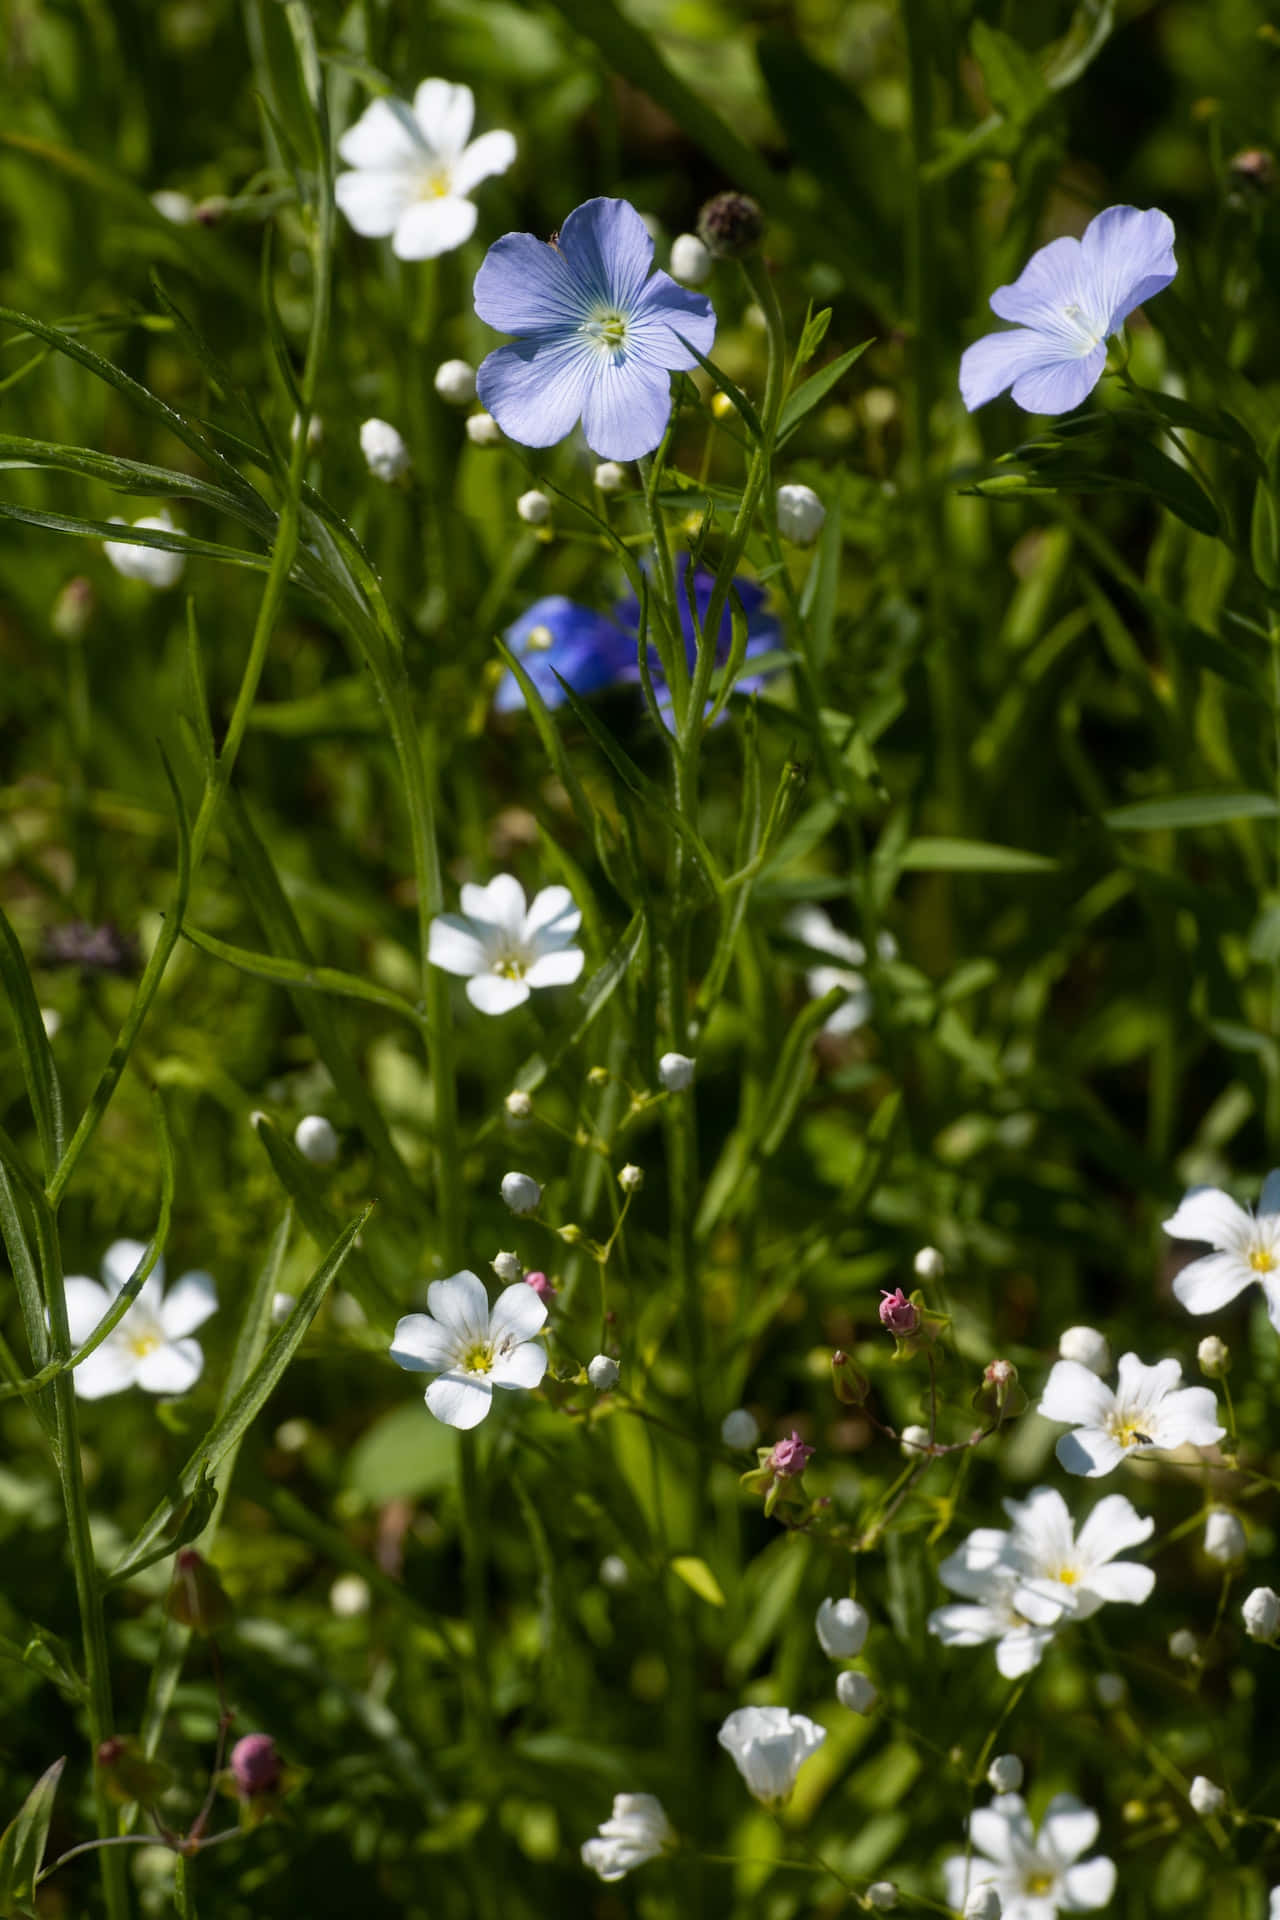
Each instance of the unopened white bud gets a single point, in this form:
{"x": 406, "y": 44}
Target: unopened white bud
{"x": 602, "y": 1372}
{"x": 315, "y": 431}
{"x": 929, "y": 1264}
{"x": 675, "y": 1072}
{"x": 1224, "y": 1539}
{"x": 534, "y": 508}
{"x": 518, "y": 1105}
{"x": 610, "y": 477}
{"x": 855, "y": 1691}
{"x": 914, "y": 1441}
{"x": 179, "y": 208}
{"x": 1110, "y": 1689}
{"x": 281, "y": 1308}
{"x": 349, "y": 1596}
{"x": 294, "y": 1436}
{"x": 800, "y": 515}
{"x": 483, "y": 430}
{"x": 508, "y": 1268}
{"x": 841, "y": 1627}
{"x": 316, "y": 1140}
{"x": 385, "y": 453}
{"x": 691, "y": 262}
{"x": 521, "y": 1192}
{"x": 1087, "y": 1347}
{"x": 1214, "y": 1356}
{"x": 1205, "y": 1797}
{"x": 631, "y": 1178}
{"x": 1261, "y": 1613}
{"x": 613, "y": 1572}
{"x": 1004, "y": 1775}
{"x": 456, "y": 382}
{"x": 51, "y": 1021}
{"x": 1183, "y": 1644}
{"x": 882, "y": 1895}
{"x": 983, "y": 1904}
{"x": 739, "y": 1430}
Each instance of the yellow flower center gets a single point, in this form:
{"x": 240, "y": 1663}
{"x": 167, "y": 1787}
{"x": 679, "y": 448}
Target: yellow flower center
{"x": 1067, "y": 1576}
{"x": 607, "y": 327}
{"x": 478, "y": 1359}
{"x": 1262, "y": 1260}
{"x": 509, "y": 966}
{"x": 141, "y": 1344}
{"x": 435, "y": 184}
{"x": 1130, "y": 1434}
{"x": 540, "y": 640}
{"x": 1040, "y": 1883}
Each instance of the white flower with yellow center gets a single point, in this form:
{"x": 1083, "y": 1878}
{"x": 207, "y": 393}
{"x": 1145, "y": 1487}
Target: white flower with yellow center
{"x": 505, "y": 947}
{"x": 1080, "y": 1572}
{"x": 1036, "y": 1875}
{"x": 151, "y": 1346}
{"x": 1146, "y": 1409}
{"x": 470, "y": 1349}
{"x": 415, "y": 169}
{"x": 1246, "y": 1248}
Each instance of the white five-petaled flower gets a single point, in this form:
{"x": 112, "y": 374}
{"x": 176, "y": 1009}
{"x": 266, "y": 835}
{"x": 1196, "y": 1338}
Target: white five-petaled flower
{"x": 1146, "y": 1409}
{"x": 504, "y": 946}
{"x": 814, "y": 928}
{"x": 1035, "y": 1875}
{"x": 988, "y": 1609}
{"x": 151, "y": 1347}
{"x": 471, "y": 1349}
{"x": 638, "y": 1830}
{"x": 768, "y": 1746}
{"x": 1246, "y": 1248}
{"x": 415, "y": 169}
{"x": 157, "y": 567}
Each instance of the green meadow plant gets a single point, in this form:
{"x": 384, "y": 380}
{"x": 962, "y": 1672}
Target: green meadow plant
{"x": 618, "y": 805}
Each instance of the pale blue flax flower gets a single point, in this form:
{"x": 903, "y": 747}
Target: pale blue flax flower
{"x": 1068, "y": 300}
{"x": 597, "y": 333}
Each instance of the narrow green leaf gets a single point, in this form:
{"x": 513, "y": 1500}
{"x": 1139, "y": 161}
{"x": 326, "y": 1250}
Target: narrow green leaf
{"x": 1177, "y": 489}
{"x": 1191, "y": 810}
{"x": 244, "y": 1408}
{"x": 22, "y": 1843}
{"x": 130, "y": 536}
{"x": 816, "y": 388}
{"x": 930, "y": 854}
{"x": 1013, "y": 80}
{"x": 34, "y": 1050}
{"x": 301, "y": 977}
{"x": 698, "y": 1577}
{"x": 137, "y": 477}
{"x": 720, "y": 379}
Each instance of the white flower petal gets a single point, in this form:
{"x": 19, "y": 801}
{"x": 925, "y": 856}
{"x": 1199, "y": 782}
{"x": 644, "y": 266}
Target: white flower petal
{"x": 122, "y": 1259}
{"x": 453, "y": 945}
{"x": 493, "y": 993}
{"x": 110, "y": 1368}
{"x": 444, "y": 112}
{"x": 1269, "y": 1198}
{"x": 1003, "y": 1830}
{"x": 86, "y": 1304}
{"x": 1113, "y": 1525}
{"x": 1089, "y": 1885}
{"x": 1020, "y": 1652}
{"x": 1213, "y": 1282}
{"x": 958, "y": 1625}
{"x": 556, "y": 969}
{"x": 461, "y": 1305}
{"x": 1089, "y": 1451}
{"x": 188, "y": 1304}
{"x": 1068, "y": 1829}
{"x": 460, "y": 1399}
{"x": 171, "y": 1369}
{"x": 385, "y": 139}
{"x": 1209, "y": 1215}
{"x": 374, "y": 202}
{"x": 518, "y": 1314}
{"x": 1187, "y": 1418}
{"x": 422, "y": 1345}
{"x": 521, "y": 1366}
{"x": 491, "y": 153}
{"x": 1074, "y": 1393}
{"x": 552, "y": 916}
{"x": 1122, "y": 1580}
{"x": 428, "y": 228}
{"x": 500, "y": 904}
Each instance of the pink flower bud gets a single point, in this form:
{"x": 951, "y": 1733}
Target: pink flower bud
{"x": 1000, "y": 1374}
{"x": 255, "y": 1765}
{"x": 898, "y": 1314}
{"x": 541, "y": 1286}
{"x": 790, "y": 1457}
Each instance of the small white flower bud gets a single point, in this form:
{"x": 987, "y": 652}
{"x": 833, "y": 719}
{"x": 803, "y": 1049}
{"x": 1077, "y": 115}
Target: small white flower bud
{"x": 914, "y": 1441}
{"x": 456, "y": 382}
{"x": 51, "y": 1021}
{"x": 1086, "y": 1346}
{"x": 631, "y": 1178}
{"x": 855, "y": 1691}
{"x": 800, "y": 515}
{"x": 1205, "y": 1797}
{"x": 534, "y": 508}
{"x": 1110, "y": 1689}
{"x": 613, "y": 1572}
{"x": 521, "y": 1192}
{"x": 508, "y": 1268}
{"x": 983, "y": 1904}
{"x": 602, "y": 1372}
{"x": 483, "y": 430}
{"x": 675, "y": 1072}
{"x": 179, "y": 208}
{"x": 1004, "y": 1775}
{"x": 929, "y": 1264}
{"x": 518, "y": 1105}
{"x": 690, "y": 260}
{"x": 1214, "y": 1356}
{"x": 385, "y": 453}
{"x": 1261, "y": 1613}
{"x": 1224, "y": 1539}
{"x": 281, "y": 1308}
{"x": 1183, "y": 1644}
{"x": 316, "y": 1140}
{"x": 882, "y": 1895}
{"x": 739, "y": 1430}
{"x": 610, "y": 477}
{"x": 841, "y": 1627}
{"x": 294, "y": 1436}
{"x": 349, "y": 1596}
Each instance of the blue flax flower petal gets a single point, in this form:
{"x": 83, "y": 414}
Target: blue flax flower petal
{"x": 597, "y": 333}
{"x": 1069, "y": 298}
{"x": 557, "y": 636}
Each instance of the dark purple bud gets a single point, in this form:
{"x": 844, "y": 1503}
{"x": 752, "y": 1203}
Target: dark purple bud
{"x": 790, "y": 1457}
{"x": 255, "y": 1765}
{"x": 541, "y": 1286}
{"x": 900, "y": 1315}
{"x": 93, "y": 949}
{"x": 730, "y": 225}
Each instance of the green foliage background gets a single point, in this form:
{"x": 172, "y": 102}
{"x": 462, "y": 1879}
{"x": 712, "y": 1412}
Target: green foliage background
{"x": 1064, "y": 1042}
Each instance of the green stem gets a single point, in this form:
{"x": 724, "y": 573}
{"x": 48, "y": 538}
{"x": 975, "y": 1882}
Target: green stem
{"x": 184, "y": 1898}
{"x": 472, "y": 1524}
